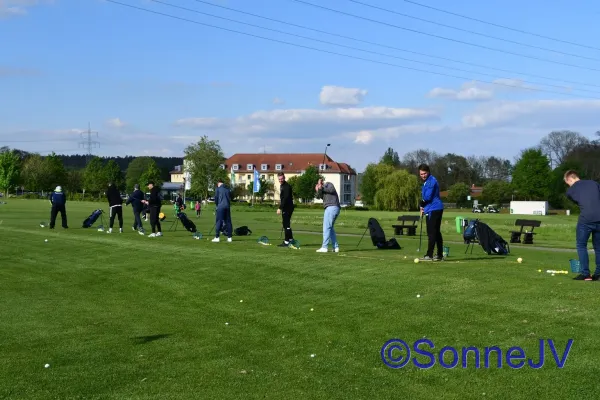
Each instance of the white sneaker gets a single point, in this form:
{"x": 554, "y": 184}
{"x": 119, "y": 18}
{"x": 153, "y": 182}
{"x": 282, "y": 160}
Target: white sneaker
{"x": 229, "y": 240}
{"x": 159, "y": 234}
{"x": 141, "y": 233}
{"x": 109, "y": 231}
{"x": 322, "y": 250}
{"x": 152, "y": 235}
{"x": 120, "y": 230}
{"x": 337, "y": 249}
{"x": 133, "y": 228}
{"x": 216, "y": 240}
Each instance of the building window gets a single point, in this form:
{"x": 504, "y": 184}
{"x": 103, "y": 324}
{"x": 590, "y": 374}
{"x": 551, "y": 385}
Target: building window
{"x": 235, "y": 167}
{"x": 249, "y": 177}
{"x": 322, "y": 167}
{"x": 262, "y": 176}
{"x": 264, "y": 167}
{"x": 347, "y": 199}
{"x": 278, "y": 167}
{"x": 250, "y": 167}
{"x": 347, "y": 187}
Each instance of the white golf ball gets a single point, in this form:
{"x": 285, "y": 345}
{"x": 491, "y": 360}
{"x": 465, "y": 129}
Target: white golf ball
{"x": 47, "y": 366}
{"x": 312, "y": 309}
{"x": 519, "y": 260}
{"x": 418, "y": 295}
{"x": 46, "y": 240}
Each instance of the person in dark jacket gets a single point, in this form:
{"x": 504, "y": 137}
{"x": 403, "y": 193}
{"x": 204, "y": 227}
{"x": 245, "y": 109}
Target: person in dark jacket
{"x": 154, "y": 204}
{"x": 223, "y": 214}
{"x": 135, "y": 199}
{"x": 58, "y": 201}
{"x": 115, "y": 203}
{"x": 286, "y": 208}
{"x": 331, "y": 203}
{"x": 586, "y": 194}
{"x": 433, "y": 208}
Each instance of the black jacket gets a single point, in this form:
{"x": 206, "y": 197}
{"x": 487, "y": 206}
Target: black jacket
{"x": 114, "y": 196}
{"x": 286, "y": 197}
{"x": 135, "y": 199}
{"x": 155, "y": 200}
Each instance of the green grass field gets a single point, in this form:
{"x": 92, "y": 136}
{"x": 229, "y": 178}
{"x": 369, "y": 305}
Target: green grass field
{"x": 122, "y": 316}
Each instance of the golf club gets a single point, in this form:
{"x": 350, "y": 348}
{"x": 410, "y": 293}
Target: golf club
{"x": 420, "y": 235}
{"x": 325, "y": 155}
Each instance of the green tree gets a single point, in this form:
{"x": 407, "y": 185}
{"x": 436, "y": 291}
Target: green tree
{"x": 265, "y": 187}
{"x": 205, "y": 159}
{"x": 152, "y": 173}
{"x": 74, "y": 182}
{"x": 94, "y": 179}
{"x": 238, "y": 191}
{"x": 390, "y": 158}
{"x": 34, "y": 175}
{"x": 531, "y": 175}
{"x": 458, "y": 193}
{"x": 10, "y": 170}
{"x": 306, "y": 184}
{"x": 112, "y": 173}
{"x": 557, "y": 187}
{"x": 57, "y": 174}
{"x": 294, "y": 182}
{"x": 135, "y": 169}
{"x": 496, "y": 192}
{"x": 398, "y": 191}
{"x": 373, "y": 175}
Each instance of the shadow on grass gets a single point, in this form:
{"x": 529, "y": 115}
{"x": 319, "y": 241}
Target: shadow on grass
{"x": 150, "y": 338}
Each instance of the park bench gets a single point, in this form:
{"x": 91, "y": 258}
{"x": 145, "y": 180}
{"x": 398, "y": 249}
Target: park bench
{"x": 515, "y": 236}
{"x": 408, "y": 222}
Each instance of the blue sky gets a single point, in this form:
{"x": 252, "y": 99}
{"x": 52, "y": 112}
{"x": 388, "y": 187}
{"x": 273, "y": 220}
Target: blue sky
{"x": 151, "y": 85}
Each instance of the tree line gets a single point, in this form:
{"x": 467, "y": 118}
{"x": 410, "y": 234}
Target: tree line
{"x": 390, "y": 184}
{"x": 536, "y": 174}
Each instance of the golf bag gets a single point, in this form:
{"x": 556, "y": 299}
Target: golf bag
{"x": 89, "y": 221}
{"x": 470, "y": 233}
{"x": 186, "y": 222}
{"x": 242, "y": 231}
{"x": 491, "y": 242}
{"x": 378, "y": 237}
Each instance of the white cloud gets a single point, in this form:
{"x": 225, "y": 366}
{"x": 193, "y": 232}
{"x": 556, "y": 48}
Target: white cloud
{"x": 11, "y": 8}
{"x": 341, "y": 96}
{"x": 278, "y": 101}
{"x": 115, "y": 123}
{"x": 364, "y": 137}
{"x": 468, "y": 92}
{"x": 302, "y": 123}
{"x": 547, "y": 114}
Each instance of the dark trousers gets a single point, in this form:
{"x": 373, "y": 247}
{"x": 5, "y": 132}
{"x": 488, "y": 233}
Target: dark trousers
{"x": 137, "y": 220}
{"x": 54, "y": 213}
{"x": 286, "y": 219}
{"x": 154, "y": 220}
{"x": 116, "y": 211}
{"x": 434, "y": 232}
{"x": 223, "y": 221}
{"x": 582, "y": 236}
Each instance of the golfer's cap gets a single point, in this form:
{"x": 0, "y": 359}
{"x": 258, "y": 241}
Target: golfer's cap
{"x": 58, "y": 189}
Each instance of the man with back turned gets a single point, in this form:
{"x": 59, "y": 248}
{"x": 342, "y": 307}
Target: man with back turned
{"x": 286, "y": 208}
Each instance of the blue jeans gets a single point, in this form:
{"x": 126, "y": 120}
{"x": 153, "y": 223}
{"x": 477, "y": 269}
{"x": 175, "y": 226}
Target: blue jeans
{"x": 583, "y": 235}
{"x": 331, "y": 214}
{"x": 223, "y": 221}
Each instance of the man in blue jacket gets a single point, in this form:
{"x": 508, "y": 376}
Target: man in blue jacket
{"x": 223, "y": 204}
{"x": 136, "y": 200}
{"x": 586, "y": 194}
{"x": 58, "y": 201}
{"x": 433, "y": 208}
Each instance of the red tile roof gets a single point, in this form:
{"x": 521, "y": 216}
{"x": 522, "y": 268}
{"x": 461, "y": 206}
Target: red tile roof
{"x": 293, "y": 163}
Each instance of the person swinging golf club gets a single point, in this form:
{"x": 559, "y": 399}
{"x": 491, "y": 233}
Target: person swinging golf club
{"x": 433, "y": 209}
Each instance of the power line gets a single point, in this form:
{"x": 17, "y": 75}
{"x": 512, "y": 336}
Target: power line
{"x": 391, "y": 47}
{"x": 356, "y": 48}
{"x": 340, "y": 54}
{"x": 441, "y": 37}
{"x": 501, "y": 26}
{"x": 471, "y": 32}
{"x": 89, "y": 143}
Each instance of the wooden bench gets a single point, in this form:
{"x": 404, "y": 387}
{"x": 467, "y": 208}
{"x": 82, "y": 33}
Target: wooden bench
{"x": 515, "y": 236}
{"x": 408, "y": 222}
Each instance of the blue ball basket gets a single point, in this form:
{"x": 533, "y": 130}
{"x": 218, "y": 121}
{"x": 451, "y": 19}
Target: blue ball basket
{"x": 575, "y": 266}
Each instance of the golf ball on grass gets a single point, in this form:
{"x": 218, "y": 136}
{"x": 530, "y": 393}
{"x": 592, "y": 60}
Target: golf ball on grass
{"x": 46, "y": 240}
{"x": 418, "y": 295}
{"x": 519, "y": 260}
{"x": 47, "y": 366}
{"x": 416, "y": 260}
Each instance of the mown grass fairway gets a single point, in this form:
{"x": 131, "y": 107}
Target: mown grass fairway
{"x": 122, "y": 316}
